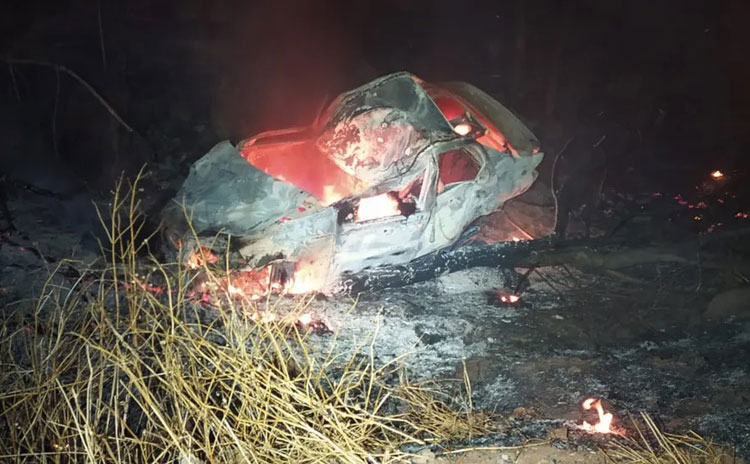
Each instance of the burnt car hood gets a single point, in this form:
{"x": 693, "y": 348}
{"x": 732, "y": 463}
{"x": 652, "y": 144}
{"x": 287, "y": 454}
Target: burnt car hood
{"x": 224, "y": 193}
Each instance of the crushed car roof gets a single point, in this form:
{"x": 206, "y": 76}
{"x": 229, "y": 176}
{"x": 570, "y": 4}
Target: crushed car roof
{"x": 377, "y": 131}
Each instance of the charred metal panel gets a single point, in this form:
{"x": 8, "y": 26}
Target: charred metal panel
{"x": 389, "y": 240}
{"x": 224, "y": 192}
{"x": 290, "y": 238}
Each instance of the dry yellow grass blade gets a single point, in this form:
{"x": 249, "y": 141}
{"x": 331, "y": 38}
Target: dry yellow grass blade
{"x": 438, "y": 421}
{"x": 651, "y": 445}
{"x": 115, "y": 372}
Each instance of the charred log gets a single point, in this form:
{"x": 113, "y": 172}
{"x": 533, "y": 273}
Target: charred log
{"x": 605, "y": 253}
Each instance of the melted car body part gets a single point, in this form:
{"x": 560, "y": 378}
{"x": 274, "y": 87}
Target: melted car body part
{"x": 389, "y": 172}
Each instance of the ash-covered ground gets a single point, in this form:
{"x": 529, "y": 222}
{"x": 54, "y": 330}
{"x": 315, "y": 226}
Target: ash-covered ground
{"x": 652, "y": 337}
{"x": 642, "y": 345}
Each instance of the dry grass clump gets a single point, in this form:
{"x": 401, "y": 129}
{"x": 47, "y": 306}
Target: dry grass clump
{"x": 113, "y": 369}
{"x": 437, "y": 419}
{"x": 650, "y": 445}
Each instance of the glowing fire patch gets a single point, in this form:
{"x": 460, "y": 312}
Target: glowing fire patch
{"x": 507, "y": 297}
{"x": 510, "y": 298}
{"x": 605, "y": 418}
{"x": 377, "y": 207}
{"x": 306, "y": 279}
{"x": 462, "y": 129}
{"x": 330, "y": 195}
{"x": 717, "y": 174}
{"x": 200, "y": 258}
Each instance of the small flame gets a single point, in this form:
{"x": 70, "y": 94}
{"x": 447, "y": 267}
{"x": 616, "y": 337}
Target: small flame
{"x": 462, "y": 129}
{"x": 306, "y": 279}
{"x": 377, "y": 207}
{"x": 605, "y": 418}
{"x": 507, "y": 297}
{"x": 717, "y": 174}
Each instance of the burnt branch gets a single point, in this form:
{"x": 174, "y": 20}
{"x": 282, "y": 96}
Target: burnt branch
{"x": 60, "y": 68}
{"x": 605, "y": 253}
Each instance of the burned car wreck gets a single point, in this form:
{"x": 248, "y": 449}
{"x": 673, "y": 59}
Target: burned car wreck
{"x": 388, "y": 172}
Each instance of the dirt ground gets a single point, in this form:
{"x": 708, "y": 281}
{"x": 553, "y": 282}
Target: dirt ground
{"x": 543, "y": 454}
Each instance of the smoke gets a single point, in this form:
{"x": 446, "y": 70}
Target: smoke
{"x": 280, "y": 62}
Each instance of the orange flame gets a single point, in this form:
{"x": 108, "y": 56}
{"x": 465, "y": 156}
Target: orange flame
{"x": 306, "y": 279}
{"x": 377, "y": 207}
{"x": 462, "y": 129}
{"x": 717, "y": 174}
{"x": 509, "y": 298}
{"x": 605, "y": 418}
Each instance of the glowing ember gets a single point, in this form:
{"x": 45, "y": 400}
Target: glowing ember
{"x": 200, "y": 258}
{"x": 605, "y": 418}
{"x": 717, "y": 174}
{"x": 377, "y": 207}
{"x": 462, "y": 129}
{"x": 507, "y": 297}
{"x": 252, "y": 285}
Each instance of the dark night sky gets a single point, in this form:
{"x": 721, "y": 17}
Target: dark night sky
{"x": 670, "y": 77}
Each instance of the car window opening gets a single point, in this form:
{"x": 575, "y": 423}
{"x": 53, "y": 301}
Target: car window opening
{"x": 402, "y": 202}
{"x": 467, "y": 122}
{"x": 460, "y": 118}
{"x": 456, "y": 166}
{"x": 450, "y": 108}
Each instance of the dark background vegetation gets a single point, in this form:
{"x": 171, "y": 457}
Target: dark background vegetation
{"x": 665, "y": 81}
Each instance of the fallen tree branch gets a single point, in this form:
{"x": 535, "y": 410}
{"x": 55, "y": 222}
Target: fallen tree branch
{"x": 605, "y": 253}
{"x": 74, "y": 75}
